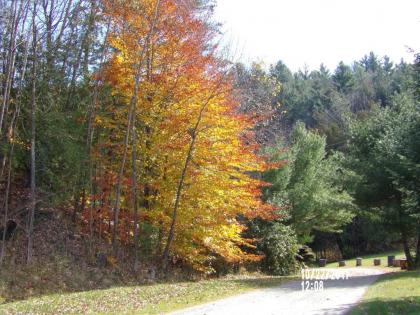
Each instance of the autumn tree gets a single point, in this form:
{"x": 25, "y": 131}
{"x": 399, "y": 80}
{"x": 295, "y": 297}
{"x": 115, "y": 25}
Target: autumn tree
{"x": 194, "y": 150}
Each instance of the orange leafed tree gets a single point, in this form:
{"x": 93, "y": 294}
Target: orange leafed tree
{"x": 193, "y": 153}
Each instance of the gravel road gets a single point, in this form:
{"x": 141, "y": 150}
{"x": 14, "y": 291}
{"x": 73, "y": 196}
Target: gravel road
{"x": 337, "y": 296}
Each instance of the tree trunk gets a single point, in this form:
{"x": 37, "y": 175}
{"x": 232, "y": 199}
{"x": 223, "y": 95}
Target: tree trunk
{"x": 177, "y": 199}
{"x": 339, "y": 244}
{"x": 6, "y": 206}
{"x": 180, "y": 186}
{"x": 10, "y": 62}
{"x": 417, "y": 262}
{"x": 404, "y": 238}
{"x": 33, "y": 135}
{"x": 134, "y": 191}
{"x": 133, "y": 103}
{"x": 16, "y": 112}
{"x": 83, "y": 49}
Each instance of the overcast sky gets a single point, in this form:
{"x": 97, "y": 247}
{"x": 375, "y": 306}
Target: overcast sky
{"x": 314, "y": 31}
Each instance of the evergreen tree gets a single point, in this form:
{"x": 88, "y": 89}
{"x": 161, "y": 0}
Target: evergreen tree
{"x": 307, "y": 188}
{"x": 385, "y": 151}
{"x": 343, "y": 78}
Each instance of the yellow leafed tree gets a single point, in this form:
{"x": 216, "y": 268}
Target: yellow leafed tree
{"x": 194, "y": 153}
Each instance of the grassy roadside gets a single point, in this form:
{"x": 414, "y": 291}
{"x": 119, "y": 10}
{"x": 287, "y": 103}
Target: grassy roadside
{"x": 368, "y": 260}
{"x": 393, "y": 294}
{"x": 147, "y": 299}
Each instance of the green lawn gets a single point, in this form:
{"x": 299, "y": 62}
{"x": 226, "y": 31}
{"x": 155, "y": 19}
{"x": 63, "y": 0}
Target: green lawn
{"x": 394, "y": 293}
{"x": 368, "y": 260}
{"x": 147, "y": 299}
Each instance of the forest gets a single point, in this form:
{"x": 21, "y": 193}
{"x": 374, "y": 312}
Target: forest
{"x": 129, "y": 140}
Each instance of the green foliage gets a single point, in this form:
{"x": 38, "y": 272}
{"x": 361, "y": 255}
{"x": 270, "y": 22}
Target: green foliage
{"x": 309, "y": 188}
{"x": 323, "y": 101}
{"x": 385, "y": 150}
{"x": 62, "y": 154}
{"x": 280, "y": 246}
{"x": 343, "y": 78}
{"x": 328, "y": 103}
{"x": 150, "y": 240}
{"x": 367, "y": 233}
{"x": 416, "y": 77}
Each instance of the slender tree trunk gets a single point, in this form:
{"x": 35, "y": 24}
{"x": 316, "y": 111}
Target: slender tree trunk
{"x": 417, "y": 263}
{"x": 404, "y": 237}
{"x": 76, "y": 200}
{"x": 122, "y": 167}
{"x": 91, "y": 210}
{"x": 48, "y": 18}
{"x": 193, "y": 134}
{"x": 83, "y": 202}
{"x": 94, "y": 103}
{"x": 90, "y": 136}
{"x": 16, "y": 112}
{"x": 84, "y": 48}
{"x": 87, "y": 43}
{"x": 10, "y": 140}
{"x": 6, "y": 207}
{"x": 33, "y": 138}
{"x": 134, "y": 191}
{"x": 10, "y": 62}
{"x": 133, "y": 103}
{"x": 177, "y": 200}
{"x": 64, "y": 17}
{"x": 9, "y": 56}
{"x": 339, "y": 244}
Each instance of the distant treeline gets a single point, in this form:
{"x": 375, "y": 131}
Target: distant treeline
{"x": 364, "y": 122}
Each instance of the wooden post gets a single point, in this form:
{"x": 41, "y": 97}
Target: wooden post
{"x": 358, "y": 262}
{"x": 391, "y": 260}
{"x": 341, "y": 263}
{"x": 403, "y": 264}
{"x": 376, "y": 262}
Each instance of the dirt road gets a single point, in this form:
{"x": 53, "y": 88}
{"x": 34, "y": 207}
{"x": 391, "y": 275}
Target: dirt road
{"x": 332, "y": 297}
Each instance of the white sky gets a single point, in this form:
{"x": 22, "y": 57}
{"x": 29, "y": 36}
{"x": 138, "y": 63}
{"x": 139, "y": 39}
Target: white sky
{"x": 310, "y": 32}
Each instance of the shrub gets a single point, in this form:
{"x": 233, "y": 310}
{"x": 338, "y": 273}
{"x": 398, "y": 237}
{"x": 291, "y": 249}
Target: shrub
{"x": 280, "y": 246}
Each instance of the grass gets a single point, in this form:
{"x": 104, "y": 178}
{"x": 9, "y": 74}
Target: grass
{"x": 394, "y": 293}
{"x": 63, "y": 280}
{"x": 146, "y": 299}
{"x": 368, "y": 260}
